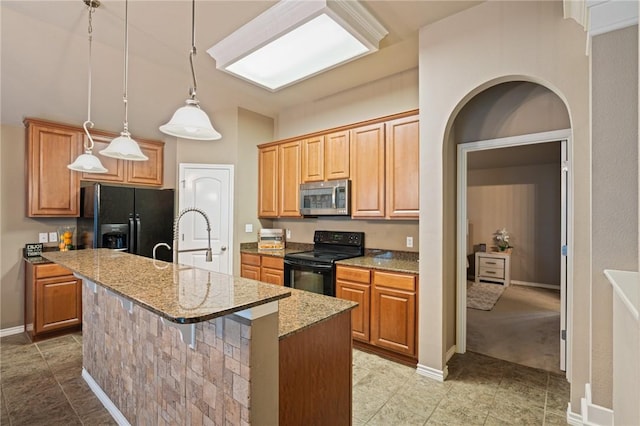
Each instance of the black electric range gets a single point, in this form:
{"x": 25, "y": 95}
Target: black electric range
{"x": 315, "y": 270}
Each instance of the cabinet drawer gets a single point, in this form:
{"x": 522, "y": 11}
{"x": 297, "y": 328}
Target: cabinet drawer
{"x": 397, "y": 281}
{"x": 491, "y": 272}
{"x": 353, "y": 274}
{"x": 250, "y": 259}
{"x": 491, "y": 262}
{"x": 51, "y": 270}
{"x": 273, "y": 262}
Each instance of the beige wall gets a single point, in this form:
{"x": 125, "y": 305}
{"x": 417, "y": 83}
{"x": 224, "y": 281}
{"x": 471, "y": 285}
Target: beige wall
{"x": 526, "y": 201}
{"x": 379, "y": 234}
{"x": 510, "y": 109}
{"x": 615, "y": 187}
{"x": 498, "y": 41}
{"x": 387, "y": 96}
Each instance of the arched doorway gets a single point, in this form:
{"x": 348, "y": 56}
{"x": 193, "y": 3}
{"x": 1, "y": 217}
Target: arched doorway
{"x": 512, "y": 114}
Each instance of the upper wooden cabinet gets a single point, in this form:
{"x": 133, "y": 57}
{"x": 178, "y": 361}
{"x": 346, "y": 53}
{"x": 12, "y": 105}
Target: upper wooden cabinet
{"x": 367, "y": 171}
{"x": 336, "y": 157}
{"x": 381, "y": 157}
{"x": 325, "y": 157}
{"x": 289, "y": 184}
{"x": 148, "y": 172}
{"x": 313, "y": 159}
{"x": 52, "y": 189}
{"x": 268, "y": 181}
{"x": 403, "y": 167}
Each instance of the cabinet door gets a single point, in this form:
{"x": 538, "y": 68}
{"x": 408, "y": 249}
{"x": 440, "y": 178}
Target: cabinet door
{"x": 360, "y": 293}
{"x": 313, "y": 159}
{"x": 337, "y": 156}
{"x": 58, "y": 303}
{"x": 250, "y": 271}
{"x": 367, "y": 171}
{"x": 268, "y": 181}
{"x": 393, "y": 319}
{"x": 148, "y": 172}
{"x": 272, "y": 276}
{"x": 114, "y": 166}
{"x": 289, "y": 171}
{"x": 52, "y": 189}
{"x": 403, "y": 165}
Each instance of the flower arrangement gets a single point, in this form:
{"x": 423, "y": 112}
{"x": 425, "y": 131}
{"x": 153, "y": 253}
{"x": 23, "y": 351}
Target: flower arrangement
{"x": 501, "y": 237}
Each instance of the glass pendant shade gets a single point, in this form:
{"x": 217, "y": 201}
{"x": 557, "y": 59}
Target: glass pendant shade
{"x": 191, "y": 122}
{"x": 124, "y": 148}
{"x": 87, "y": 163}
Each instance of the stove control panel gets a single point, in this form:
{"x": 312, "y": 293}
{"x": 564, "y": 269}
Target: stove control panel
{"x": 339, "y": 238}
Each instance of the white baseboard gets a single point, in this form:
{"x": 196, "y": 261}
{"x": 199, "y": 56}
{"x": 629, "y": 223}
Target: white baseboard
{"x": 540, "y": 285}
{"x": 573, "y": 419}
{"x": 104, "y": 399}
{"x": 592, "y": 414}
{"x": 451, "y": 352}
{"x": 11, "y": 331}
{"x": 432, "y": 373}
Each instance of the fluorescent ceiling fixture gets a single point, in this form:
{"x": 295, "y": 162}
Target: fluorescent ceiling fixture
{"x": 296, "y": 39}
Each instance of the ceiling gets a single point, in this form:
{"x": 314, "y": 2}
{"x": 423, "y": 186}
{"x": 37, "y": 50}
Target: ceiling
{"x": 45, "y": 57}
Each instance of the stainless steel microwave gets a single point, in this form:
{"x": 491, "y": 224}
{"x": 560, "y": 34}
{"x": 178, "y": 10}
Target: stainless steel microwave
{"x": 331, "y": 198}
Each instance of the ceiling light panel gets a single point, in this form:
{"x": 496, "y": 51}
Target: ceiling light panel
{"x": 296, "y": 39}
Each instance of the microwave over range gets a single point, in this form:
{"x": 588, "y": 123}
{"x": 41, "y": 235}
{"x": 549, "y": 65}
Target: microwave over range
{"x": 331, "y": 198}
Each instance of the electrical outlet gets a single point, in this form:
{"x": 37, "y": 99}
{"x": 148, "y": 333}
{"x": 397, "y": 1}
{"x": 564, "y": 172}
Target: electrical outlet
{"x": 43, "y": 237}
{"x": 409, "y": 241}
{"x": 53, "y": 236}
{"x": 248, "y": 227}
{"x": 288, "y": 232}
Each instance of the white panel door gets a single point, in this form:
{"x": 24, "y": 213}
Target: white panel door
{"x": 208, "y": 187}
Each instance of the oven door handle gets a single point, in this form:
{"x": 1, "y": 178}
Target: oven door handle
{"x": 315, "y": 267}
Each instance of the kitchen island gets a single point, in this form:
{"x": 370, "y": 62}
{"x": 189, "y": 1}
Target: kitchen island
{"x": 165, "y": 343}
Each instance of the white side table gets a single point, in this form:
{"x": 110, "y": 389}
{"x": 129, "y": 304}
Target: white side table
{"x": 494, "y": 267}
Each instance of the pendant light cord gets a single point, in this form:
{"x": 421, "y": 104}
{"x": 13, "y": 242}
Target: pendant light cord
{"x": 88, "y": 146}
{"x": 126, "y": 68}
{"x": 193, "y": 52}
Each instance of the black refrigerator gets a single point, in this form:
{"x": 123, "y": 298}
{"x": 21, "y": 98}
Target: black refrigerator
{"x": 126, "y": 219}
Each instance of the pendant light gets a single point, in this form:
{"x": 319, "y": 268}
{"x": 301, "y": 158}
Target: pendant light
{"x": 88, "y": 162}
{"x": 190, "y": 121}
{"x": 123, "y": 147}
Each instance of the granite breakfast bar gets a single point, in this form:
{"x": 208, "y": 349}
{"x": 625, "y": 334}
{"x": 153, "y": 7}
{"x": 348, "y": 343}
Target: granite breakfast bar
{"x": 165, "y": 343}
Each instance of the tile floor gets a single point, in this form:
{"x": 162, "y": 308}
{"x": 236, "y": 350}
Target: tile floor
{"x": 41, "y": 385}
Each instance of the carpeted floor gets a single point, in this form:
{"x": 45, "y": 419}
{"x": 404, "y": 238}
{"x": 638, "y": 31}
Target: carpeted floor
{"x": 523, "y": 327}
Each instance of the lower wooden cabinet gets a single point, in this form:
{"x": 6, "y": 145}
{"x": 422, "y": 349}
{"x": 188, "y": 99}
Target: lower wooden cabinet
{"x": 53, "y": 300}
{"x": 386, "y": 316}
{"x": 265, "y": 268}
{"x": 393, "y": 312}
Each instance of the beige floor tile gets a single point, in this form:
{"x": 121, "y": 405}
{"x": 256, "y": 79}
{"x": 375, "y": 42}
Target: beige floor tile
{"x": 518, "y": 411}
{"x": 365, "y": 406}
{"x": 392, "y": 415}
{"x": 521, "y": 393}
{"x": 557, "y": 404}
{"x": 452, "y": 415}
{"x": 555, "y": 419}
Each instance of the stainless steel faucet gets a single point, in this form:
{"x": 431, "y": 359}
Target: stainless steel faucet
{"x": 176, "y": 232}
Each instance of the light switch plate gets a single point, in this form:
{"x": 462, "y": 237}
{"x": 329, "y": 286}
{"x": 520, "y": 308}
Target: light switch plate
{"x": 53, "y": 236}
{"x": 288, "y": 233}
{"x": 409, "y": 241}
{"x": 248, "y": 227}
{"x": 43, "y": 237}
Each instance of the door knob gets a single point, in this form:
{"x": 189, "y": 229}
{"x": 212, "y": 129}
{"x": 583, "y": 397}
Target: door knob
{"x": 223, "y": 248}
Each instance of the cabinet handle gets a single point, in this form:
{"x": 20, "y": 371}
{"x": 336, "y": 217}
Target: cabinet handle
{"x": 491, "y": 263}
{"x": 490, "y": 272}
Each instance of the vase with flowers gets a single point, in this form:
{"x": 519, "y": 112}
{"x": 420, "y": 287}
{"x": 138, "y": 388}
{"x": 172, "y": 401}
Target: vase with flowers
{"x": 501, "y": 238}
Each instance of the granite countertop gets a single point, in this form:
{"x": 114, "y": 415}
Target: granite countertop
{"x": 179, "y": 293}
{"x": 304, "y": 309}
{"x": 37, "y": 260}
{"x": 406, "y": 262}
